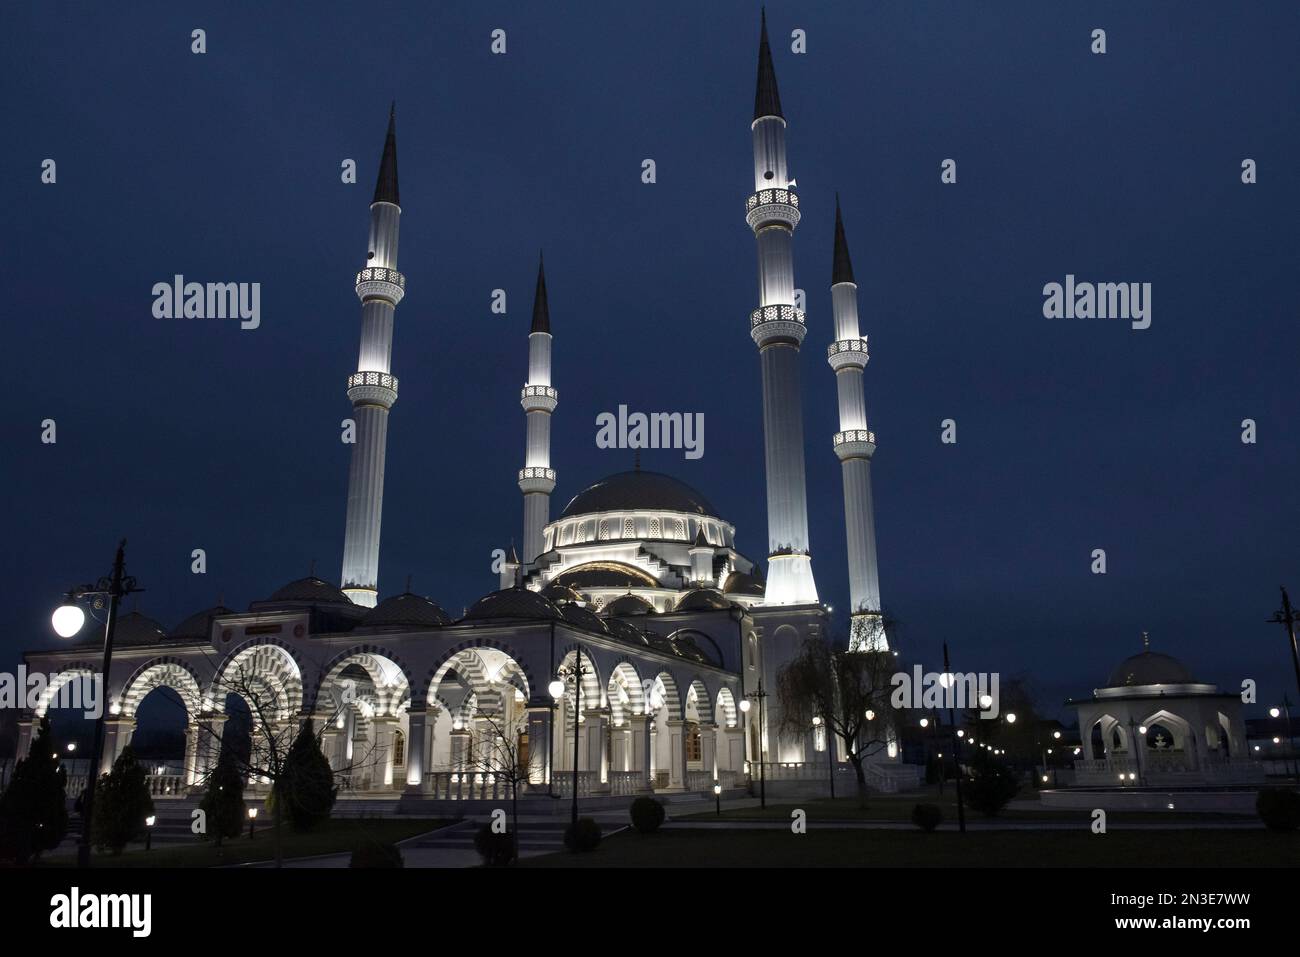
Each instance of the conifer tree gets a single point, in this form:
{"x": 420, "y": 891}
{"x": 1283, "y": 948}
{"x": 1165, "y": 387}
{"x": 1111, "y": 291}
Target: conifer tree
{"x": 33, "y": 809}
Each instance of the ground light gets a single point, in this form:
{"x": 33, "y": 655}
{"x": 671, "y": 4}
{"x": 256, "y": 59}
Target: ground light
{"x": 252, "y": 821}
{"x": 149, "y": 822}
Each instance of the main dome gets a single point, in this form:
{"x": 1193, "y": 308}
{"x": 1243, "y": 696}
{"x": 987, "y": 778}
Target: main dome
{"x": 639, "y": 490}
{"x": 1149, "y": 668}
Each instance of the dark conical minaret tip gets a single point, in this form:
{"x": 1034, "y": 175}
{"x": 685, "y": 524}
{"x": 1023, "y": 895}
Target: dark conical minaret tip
{"x": 541, "y": 311}
{"x": 767, "y": 99}
{"x": 386, "y": 185}
{"x": 842, "y": 268}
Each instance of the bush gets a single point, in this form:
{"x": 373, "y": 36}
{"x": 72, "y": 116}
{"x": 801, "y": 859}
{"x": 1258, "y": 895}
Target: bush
{"x": 33, "y": 809}
{"x": 991, "y": 786}
{"x": 496, "y": 849}
{"x": 223, "y": 804}
{"x": 927, "y": 816}
{"x": 647, "y": 815}
{"x": 377, "y": 855}
{"x": 306, "y": 783}
{"x": 122, "y": 802}
{"x": 1278, "y": 808}
{"x": 582, "y": 836}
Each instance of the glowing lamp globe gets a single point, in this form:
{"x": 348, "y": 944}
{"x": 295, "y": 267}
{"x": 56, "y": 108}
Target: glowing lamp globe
{"x": 1142, "y": 729}
{"x": 1274, "y": 712}
{"x": 1057, "y": 735}
{"x": 871, "y": 715}
{"x": 717, "y": 789}
{"x": 744, "y": 705}
{"x": 1011, "y": 717}
{"x": 925, "y": 722}
{"x": 67, "y": 620}
{"x": 556, "y": 688}
{"x": 986, "y": 701}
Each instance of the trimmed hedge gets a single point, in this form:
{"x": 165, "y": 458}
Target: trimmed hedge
{"x": 647, "y": 815}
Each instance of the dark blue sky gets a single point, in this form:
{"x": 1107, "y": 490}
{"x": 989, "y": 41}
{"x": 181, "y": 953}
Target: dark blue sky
{"x": 1072, "y": 435}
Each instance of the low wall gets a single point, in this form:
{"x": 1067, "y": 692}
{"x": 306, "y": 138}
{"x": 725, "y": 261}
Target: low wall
{"x": 1133, "y": 799}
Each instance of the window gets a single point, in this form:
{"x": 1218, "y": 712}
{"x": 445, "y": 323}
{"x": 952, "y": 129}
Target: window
{"x": 629, "y": 528}
{"x": 679, "y": 528}
{"x": 654, "y": 528}
{"x": 399, "y": 749}
{"x": 604, "y": 528}
{"x": 694, "y": 743}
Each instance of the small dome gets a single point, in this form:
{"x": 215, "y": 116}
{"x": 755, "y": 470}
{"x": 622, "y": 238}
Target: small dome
{"x": 511, "y": 603}
{"x": 582, "y": 617}
{"x": 311, "y": 590}
{"x": 625, "y": 632}
{"x": 557, "y": 592}
{"x": 409, "y": 610}
{"x": 702, "y": 599}
{"x": 629, "y": 605}
{"x": 1149, "y": 668}
{"x": 199, "y": 625}
{"x": 131, "y": 629}
{"x": 741, "y": 583}
{"x": 694, "y": 645}
{"x": 639, "y": 490}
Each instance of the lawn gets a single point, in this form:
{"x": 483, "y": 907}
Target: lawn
{"x": 686, "y": 847}
{"x": 335, "y": 837}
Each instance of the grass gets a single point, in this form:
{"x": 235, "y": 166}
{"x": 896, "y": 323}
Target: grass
{"x": 336, "y": 837}
{"x": 681, "y": 847}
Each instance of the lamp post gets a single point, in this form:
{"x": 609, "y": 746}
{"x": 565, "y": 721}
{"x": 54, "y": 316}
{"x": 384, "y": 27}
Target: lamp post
{"x": 149, "y": 822}
{"x": 830, "y": 756}
{"x": 956, "y": 745}
{"x": 575, "y": 671}
{"x": 252, "y": 821}
{"x": 67, "y": 620}
{"x": 1287, "y": 618}
{"x": 758, "y": 696}
{"x": 717, "y": 797}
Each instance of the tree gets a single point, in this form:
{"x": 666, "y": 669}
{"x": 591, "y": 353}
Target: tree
{"x": 991, "y": 784}
{"x": 33, "y": 809}
{"x": 304, "y": 792}
{"x": 122, "y": 803}
{"x": 498, "y": 753}
{"x": 224, "y": 801}
{"x": 848, "y": 690}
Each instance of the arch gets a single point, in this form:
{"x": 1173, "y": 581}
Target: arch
{"x": 625, "y": 692}
{"x": 1165, "y": 719}
{"x": 664, "y": 694}
{"x": 164, "y": 672}
{"x": 724, "y": 711}
{"x": 426, "y": 690}
{"x": 62, "y": 680}
{"x": 698, "y": 704}
{"x": 478, "y": 669}
{"x": 389, "y": 681}
{"x": 267, "y": 670}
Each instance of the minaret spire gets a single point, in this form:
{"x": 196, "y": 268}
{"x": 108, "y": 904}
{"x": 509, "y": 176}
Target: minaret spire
{"x": 373, "y": 388}
{"x": 854, "y": 445}
{"x": 778, "y": 328}
{"x": 537, "y": 478}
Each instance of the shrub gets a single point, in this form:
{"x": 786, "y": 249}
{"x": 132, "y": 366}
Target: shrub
{"x": 306, "y": 783}
{"x": 582, "y": 836}
{"x": 1278, "y": 808}
{"x": 496, "y": 849}
{"x": 33, "y": 809}
{"x": 122, "y": 802}
{"x": 991, "y": 786}
{"x": 377, "y": 855}
{"x": 647, "y": 815}
{"x": 224, "y": 801}
{"x": 927, "y": 816}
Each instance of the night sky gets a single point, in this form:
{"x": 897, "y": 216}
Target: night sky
{"x": 1072, "y": 434}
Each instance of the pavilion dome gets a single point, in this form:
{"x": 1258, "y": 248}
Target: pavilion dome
{"x": 511, "y": 603}
{"x": 1149, "y": 668}
{"x": 408, "y": 610}
{"x": 198, "y": 625}
{"x": 626, "y": 491}
{"x": 582, "y": 617}
{"x": 625, "y": 632}
{"x": 132, "y": 628}
{"x": 703, "y": 599}
{"x": 741, "y": 583}
{"x": 311, "y": 590}
{"x": 629, "y": 605}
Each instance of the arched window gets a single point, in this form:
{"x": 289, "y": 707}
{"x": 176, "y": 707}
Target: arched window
{"x": 629, "y": 528}
{"x": 654, "y": 528}
{"x": 679, "y": 528}
{"x": 399, "y": 749}
{"x": 604, "y": 528}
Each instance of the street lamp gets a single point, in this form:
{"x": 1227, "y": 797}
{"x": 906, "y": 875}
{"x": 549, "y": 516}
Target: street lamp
{"x": 556, "y": 688}
{"x": 149, "y": 822}
{"x": 758, "y": 696}
{"x": 72, "y": 746}
{"x": 67, "y": 621}
{"x": 252, "y": 821}
{"x": 717, "y": 797}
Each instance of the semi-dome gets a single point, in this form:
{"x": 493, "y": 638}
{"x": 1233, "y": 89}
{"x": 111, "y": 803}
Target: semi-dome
{"x": 639, "y": 490}
{"x": 198, "y": 626}
{"x": 582, "y": 617}
{"x": 1149, "y": 668}
{"x": 311, "y": 590}
{"x": 511, "y": 603}
{"x": 702, "y": 599}
{"x": 605, "y": 575}
{"x": 741, "y": 583}
{"x": 629, "y": 605}
{"x": 407, "y": 610}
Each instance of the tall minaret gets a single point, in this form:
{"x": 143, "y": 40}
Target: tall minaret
{"x": 854, "y": 445}
{"x": 373, "y": 389}
{"x": 778, "y": 328}
{"x": 537, "y": 478}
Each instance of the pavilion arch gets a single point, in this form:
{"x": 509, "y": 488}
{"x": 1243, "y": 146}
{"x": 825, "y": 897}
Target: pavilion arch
{"x": 724, "y": 711}
{"x": 266, "y": 668}
{"x": 625, "y": 692}
{"x": 64, "y": 678}
{"x": 664, "y": 694}
{"x": 390, "y": 685}
{"x": 1178, "y": 727}
{"x": 698, "y": 704}
{"x": 427, "y": 689}
{"x": 1112, "y": 733}
{"x": 166, "y": 672}
{"x": 479, "y": 669}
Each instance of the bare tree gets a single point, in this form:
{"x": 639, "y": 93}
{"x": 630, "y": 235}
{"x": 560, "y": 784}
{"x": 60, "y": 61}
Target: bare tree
{"x": 848, "y": 690}
{"x": 498, "y": 753}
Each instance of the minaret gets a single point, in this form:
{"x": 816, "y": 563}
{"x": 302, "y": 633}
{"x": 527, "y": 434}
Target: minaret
{"x": 778, "y": 328}
{"x": 373, "y": 389}
{"x": 537, "y": 478}
{"x": 854, "y": 445}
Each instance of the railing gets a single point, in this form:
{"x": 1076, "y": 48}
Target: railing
{"x": 855, "y": 435}
{"x": 542, "y": 390}
{"x": 562, "y": 783}
{"x": 166, "y": 785}
{"x": 537, "y": 472}
{"x": 627, "y": 782}
{"x": 467, "y": 786}
{"x": 765, "y": 197}
{"x": 1166, "y": 768}
{"x": 373, "y": 378}
{"x": 847, "y": 345}
{"x": 699, "y": 781}
{"x": 776, "y": 314}
{"x": 379, "y": 274}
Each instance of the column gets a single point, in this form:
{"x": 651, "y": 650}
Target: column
{"x": 594, "y": 726}
{"x": 24, "y": 738}
{"x": 415, "y": 750}
{"x": 708, "y": 748}
{"x": 381, "y": 761}
{"x": 539, "y": 746}
{"x": 639, "y": 749}
{"x": 676, "y": 754}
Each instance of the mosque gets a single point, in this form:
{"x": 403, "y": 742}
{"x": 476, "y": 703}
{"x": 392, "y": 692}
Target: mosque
{"x": 629, "y": 641}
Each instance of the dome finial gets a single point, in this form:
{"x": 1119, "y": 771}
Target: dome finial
{"x": 311, "y": 569}
{"x": 408, "y": 584}
{"x": 636, "y": 461}
{"x": 1146, "y": 641}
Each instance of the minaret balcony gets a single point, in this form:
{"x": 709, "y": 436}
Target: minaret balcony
{"x": 855, "y": 444}
{"x": 777, "y": 322}
{"x": 847, "y": 353}
{"x": 769, "y": 206}
{"x": 376, "y": 282}
{"x": 538, "y": 398}
{"x": 372, "y": 388}
{"x": 536, "y": 479}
